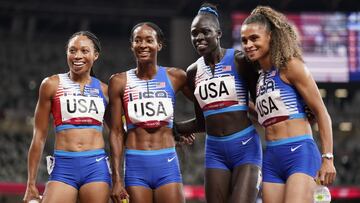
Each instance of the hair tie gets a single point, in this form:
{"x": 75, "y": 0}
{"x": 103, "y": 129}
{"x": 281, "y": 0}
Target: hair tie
{"x": 208, "y": 10}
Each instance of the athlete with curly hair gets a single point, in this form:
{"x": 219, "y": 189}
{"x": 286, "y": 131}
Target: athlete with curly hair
{"x": 292, "y": 159}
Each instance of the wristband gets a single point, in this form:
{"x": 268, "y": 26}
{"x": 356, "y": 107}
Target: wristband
{"x": 327, "y": 155}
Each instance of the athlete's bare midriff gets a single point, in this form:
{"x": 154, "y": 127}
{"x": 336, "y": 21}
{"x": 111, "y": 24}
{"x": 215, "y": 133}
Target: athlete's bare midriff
{"x": 227, "y": 123}
{"x": 288, "y": 128}
{"x": 150, "y": 139}
{"x": 76, "y": 140}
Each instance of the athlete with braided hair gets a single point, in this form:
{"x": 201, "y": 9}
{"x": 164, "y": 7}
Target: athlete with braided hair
{"x": 220, "y": 79}
{"x": 292, "y": 159}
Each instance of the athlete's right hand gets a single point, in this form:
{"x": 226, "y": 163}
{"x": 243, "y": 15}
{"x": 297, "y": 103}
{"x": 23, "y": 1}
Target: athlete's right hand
{"x": 118, "y": 193}
{"x": 31, "y": 193}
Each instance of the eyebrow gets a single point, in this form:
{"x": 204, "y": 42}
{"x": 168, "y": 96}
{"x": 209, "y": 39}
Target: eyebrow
{"x": 149, "y": 36}
{"x": 80, "y": 47}
{"x": 252, "y": 35}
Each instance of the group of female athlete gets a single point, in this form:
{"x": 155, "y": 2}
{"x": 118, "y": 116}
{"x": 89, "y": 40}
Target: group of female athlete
{"x": 268, "y": 79}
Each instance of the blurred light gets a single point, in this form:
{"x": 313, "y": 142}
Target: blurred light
{"x": 345, "y": 126}
{"x": 32, "y": 85}
{"x": 344, "y": 159}
{"x": 30, "y": 120}
{"x": 341, "y": 93}
{"x": 322, "y": 92}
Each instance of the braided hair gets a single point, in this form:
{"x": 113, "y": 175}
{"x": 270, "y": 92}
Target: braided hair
{"x": 211, "y": 11}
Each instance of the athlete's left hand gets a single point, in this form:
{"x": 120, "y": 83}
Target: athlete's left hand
{"x": 327, "y": 172}
{"x": 118, "y": 193}
{"x": 186, "y": 139}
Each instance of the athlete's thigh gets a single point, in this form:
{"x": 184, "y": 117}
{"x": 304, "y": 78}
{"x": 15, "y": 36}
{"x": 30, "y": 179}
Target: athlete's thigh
{"x": 300, "y": 188}
{"x": 273, "y": 192}
{"x": 245, "y": 183}
{"x": 172, "y": 192}
{"x": 140, "y": 194}
{"x": 94, "y": 192}
{"x": 217, "y": 183}
{"x": 59, "y": 192}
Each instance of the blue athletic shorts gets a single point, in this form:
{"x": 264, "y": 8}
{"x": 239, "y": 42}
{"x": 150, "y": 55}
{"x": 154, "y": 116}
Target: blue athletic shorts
{"x": 230, "y": 151}
{"x": 284, "y": 157}
{"x": 79, "y": 168}
{"x": 151, "y": 168}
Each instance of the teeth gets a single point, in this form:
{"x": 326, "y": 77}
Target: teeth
{"x": 78, "y": 63}
{"x": 144, "y": 53}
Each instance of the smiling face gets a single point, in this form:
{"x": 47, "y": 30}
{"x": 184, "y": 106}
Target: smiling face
{"x": 144, "y": 44}
{"x": 255, "y": 39}
{"x": 205, "y": 34}
{"x": 81, "y": 54}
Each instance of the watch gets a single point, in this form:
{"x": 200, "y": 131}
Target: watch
{"x": 327, "y": 155}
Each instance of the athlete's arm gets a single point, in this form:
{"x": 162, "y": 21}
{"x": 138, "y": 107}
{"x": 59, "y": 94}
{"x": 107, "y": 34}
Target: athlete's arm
{"x": 116, "y": 89}
{"x": 249, "y": 73}
{"x": 196, "y": 124}
{"x": 298, "y": 75}
{"x": 41, "y": 118}
{"x": 179, "y": 82}
{"x": 252, "y": 112}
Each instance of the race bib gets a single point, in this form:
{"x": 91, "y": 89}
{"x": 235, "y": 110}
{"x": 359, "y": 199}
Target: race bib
{"x": 150, "y": 109}
{"x": 271, "y": 109}
{"x": 82, "y": 107}
{"x": 216, "y": 93}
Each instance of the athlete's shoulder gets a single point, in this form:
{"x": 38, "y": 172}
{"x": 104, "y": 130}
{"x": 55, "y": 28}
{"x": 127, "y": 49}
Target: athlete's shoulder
{"x": 118, "y": 76}
{"x": 244, "y": 65}
{"x": 240, "y": 57}
{"x": 176, "y": 72}
{"x": 51, "y": 81}
{"x": 49, "y": 85}
{"x": 192, "y": 67}
{"x": 294, "y": 67}
{"x": 295, "y": 63}
{"x": 117, "y": 82}
{"x": 295, "y": 70}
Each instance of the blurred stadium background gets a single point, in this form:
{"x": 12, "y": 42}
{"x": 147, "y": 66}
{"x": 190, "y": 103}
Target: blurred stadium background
{"x": 33, "y": 34}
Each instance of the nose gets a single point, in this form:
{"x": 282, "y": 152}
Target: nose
{"x": 78, "y": 54}
{"x": 142, "y": 44}
{"x": 199, "y": 36}
{"x": 247, "y": 44}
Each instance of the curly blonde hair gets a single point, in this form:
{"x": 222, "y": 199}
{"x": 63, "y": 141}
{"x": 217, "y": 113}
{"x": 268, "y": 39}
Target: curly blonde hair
{"x": 284, "y": 42}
